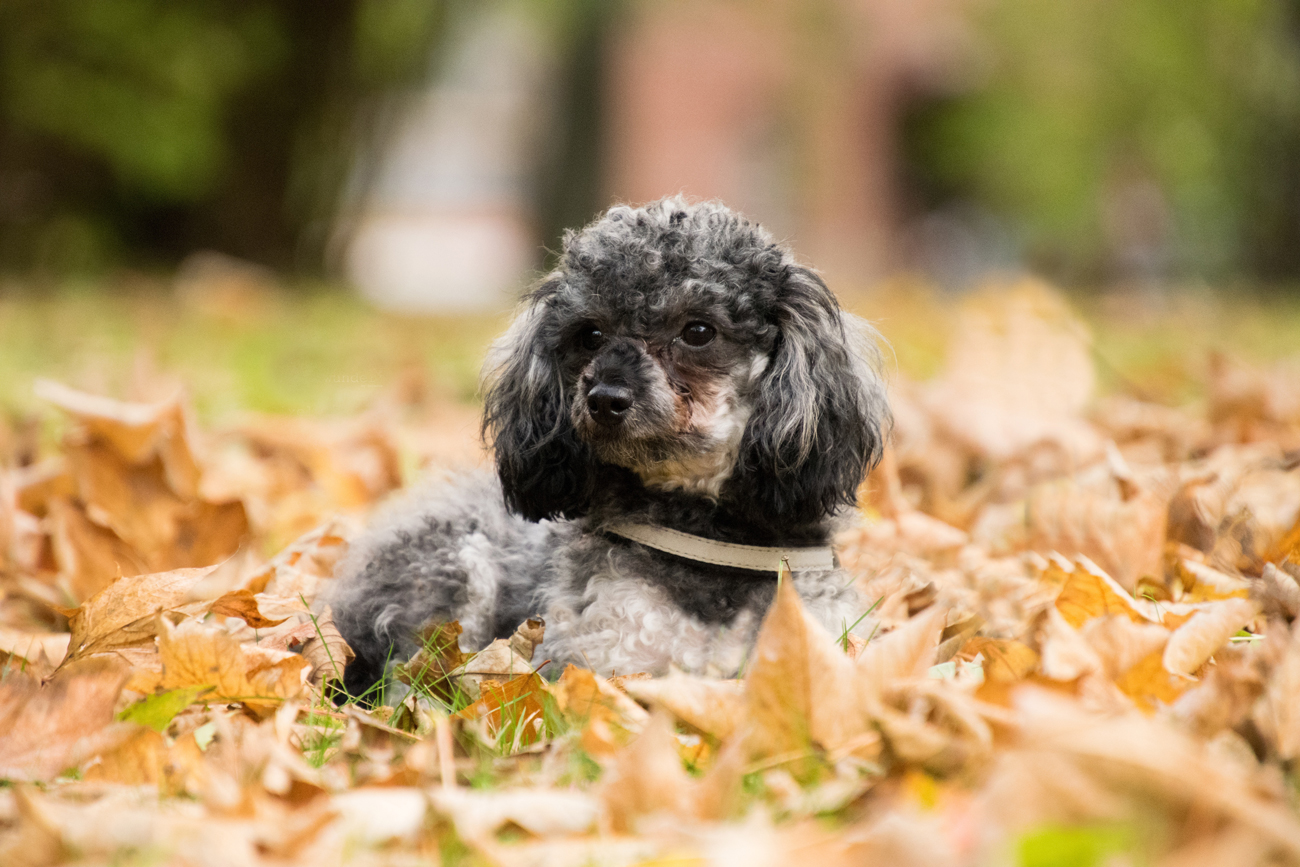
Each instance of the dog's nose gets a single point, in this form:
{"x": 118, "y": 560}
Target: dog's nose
{"x": 608, "y": 404}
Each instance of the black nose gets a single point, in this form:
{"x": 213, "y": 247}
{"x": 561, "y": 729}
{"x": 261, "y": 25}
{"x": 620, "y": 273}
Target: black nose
{"x": 608, "y": 404}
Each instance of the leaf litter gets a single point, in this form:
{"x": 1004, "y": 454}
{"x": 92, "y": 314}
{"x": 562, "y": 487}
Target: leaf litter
{"x": 1082, "y": 641}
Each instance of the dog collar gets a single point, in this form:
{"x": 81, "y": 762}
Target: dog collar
{"x": 756, "y": 558}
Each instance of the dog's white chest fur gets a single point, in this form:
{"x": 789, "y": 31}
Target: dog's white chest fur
{"x": 624, "y": 625}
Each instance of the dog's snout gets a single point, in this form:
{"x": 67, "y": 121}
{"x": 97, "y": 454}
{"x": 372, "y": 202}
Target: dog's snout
{"x": 608, "y": 404}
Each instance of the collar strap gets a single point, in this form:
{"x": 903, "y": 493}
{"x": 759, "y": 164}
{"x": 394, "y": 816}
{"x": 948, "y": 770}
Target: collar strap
{"x": 753, "y": 557}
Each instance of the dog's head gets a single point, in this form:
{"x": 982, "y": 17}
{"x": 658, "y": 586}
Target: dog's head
{"x": 679, "y": 341}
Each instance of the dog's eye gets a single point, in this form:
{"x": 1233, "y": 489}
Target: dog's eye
{"x": 698, "y": 334}
{"x": 591, "y": 338}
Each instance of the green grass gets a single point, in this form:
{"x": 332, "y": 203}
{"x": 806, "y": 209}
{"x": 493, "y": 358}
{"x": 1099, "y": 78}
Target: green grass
{"x": 317, "y": 353}
{"x": 321, "y": 351}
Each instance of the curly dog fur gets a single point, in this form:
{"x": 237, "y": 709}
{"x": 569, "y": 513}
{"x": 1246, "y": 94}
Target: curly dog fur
{"x": 678, "y": 368}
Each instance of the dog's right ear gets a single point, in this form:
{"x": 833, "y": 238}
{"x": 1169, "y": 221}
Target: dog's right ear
{"x": 545, "y": 469}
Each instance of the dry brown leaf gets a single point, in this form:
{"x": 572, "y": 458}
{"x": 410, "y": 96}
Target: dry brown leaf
{"x": 137, "y": 502}
{"x": 1066, "y": 656}
{"x": 1121, "y": 643}
{"x": 1089, "y": 592}
{"x": 800, "y": 689}
{"x": 97, "y": 625}
{"x": 715, "y": 707}
{"x": 1278, "y": 712}
{"x": 1134, "y": 754}
{"x": 243, "y": 604}
{"x": 514, "y": 711}
{"x": 903, "y": 654}
{"x": 1124, "y": 536}
{"x": 137, "y": 761}
{"x": 89, "y": 557}
{"x": 606, "y": 717}
{"x": 1207, "y": 584}
{"x": 1005, "y": 660}
{"x": 1209, "y": 629}
{"x": 907, "y": 531}
{"x": 196, "y": 655}
{"x": 326, "y": 650}
{"x": 136, "y": 431}
{"x": 540, "y": 812}
{"x": 1149, "y": 684}
{"x": 1017, "y": 374}
{"x": 39, "y": 652}
{"x": 430, "y": 670}
{"x": 46, "y": 729}
{"x": 646, "y": 778}
{"x": 36, "y": 486}
{"x": 501, "y": 660}
{"x": 1278, "y": 592}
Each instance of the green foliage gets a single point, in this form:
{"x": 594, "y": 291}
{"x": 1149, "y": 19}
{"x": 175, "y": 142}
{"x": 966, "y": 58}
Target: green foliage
{"x": 391, "y": 39}
{"x": 157, "y": 711}
{"x": 1200, "y": 98}
{"x": 1073, "y": 846}
{"x": 140, "y": 83}
{"x": 157, "y": 126}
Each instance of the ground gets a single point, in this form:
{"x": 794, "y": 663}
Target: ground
{"x": 1079, "y": 553}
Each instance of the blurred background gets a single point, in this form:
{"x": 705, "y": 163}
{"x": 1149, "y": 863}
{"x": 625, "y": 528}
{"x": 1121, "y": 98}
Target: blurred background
{"x": 303, "y": 167}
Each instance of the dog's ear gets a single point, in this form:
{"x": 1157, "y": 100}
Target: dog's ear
{"x": 545, "y": 469}
{"x": 819, "y": 413}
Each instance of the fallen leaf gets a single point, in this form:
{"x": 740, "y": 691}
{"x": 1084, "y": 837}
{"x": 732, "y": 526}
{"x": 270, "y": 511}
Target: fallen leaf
{"x": 136, "y": 761}
{"x": 32, "y": 652}
{"x": 1278, "y": 711}
{"x": 89, "y": 556}
{"x": 326, "y": 650}
{"x": 1195, "y": 641}
{"x": 243, "y": 604}
{"x": 1121, "y": 643}
{"x": 1279, "y": 591}
{"x": 715, "y": 707}
{"x": 515, "y": 711}
{"x": 541, "y": 812}
{"x": 47, "y": 728}
{"x": 1124, "y": 536}
{"x": 800, "y": 688}
{"x": 905, "y": 653}
{"x": 1089, "y": 592}
{"x": 1005, "y": 660}
{"x": 99, "y": 623}
{"x": 196, "y": 655}
{"x": 429, "y": 671}
{"x": 605, "y": 716}
{"x": 646, "y": 779}
{"x": 156, "y": 711}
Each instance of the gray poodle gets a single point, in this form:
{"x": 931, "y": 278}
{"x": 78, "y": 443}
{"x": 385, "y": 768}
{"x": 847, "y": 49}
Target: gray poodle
{"x": 678, "y": 406}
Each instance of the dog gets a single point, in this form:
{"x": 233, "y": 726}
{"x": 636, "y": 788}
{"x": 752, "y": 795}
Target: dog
{"x": 678, "y": 406}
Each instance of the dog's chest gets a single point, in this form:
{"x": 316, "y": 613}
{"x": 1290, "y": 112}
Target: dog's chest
{"x": 619, "y": 609}
{"x": 621, "y": 624}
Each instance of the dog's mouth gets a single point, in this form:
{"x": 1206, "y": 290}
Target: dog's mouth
{"x": 668, "y": 440}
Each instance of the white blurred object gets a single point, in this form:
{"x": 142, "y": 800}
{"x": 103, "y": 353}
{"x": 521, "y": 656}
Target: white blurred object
{"x": 445, "y": 224}
{"x": 435, "y": 261}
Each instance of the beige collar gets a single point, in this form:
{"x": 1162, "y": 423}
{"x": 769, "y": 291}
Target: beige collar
{"x": 753, "y": 557}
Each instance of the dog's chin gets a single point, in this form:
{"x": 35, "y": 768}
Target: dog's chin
{"x": 679, "y": 461}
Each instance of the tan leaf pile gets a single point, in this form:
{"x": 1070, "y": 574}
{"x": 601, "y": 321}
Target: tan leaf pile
{"x": 1081, "y": 649}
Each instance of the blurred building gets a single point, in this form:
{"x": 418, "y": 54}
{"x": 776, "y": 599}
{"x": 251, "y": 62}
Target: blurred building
{"x": 787, "y": 111}
{"x": 446, "y": 217}
{"x": 1130, "y": 144}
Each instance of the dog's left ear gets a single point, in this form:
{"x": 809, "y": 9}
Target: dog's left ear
{"x": 545, "y": 470}
{"x": 819, "y": 414}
